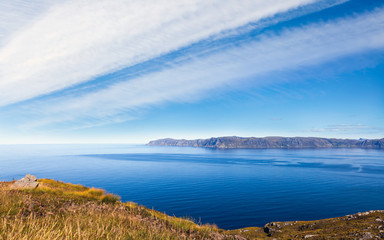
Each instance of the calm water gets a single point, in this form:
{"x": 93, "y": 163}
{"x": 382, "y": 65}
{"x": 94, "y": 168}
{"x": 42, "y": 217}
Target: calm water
{"x": 232, "y": 188}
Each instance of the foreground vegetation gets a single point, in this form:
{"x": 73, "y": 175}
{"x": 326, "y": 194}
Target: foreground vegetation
{"x": 57, "y": 210}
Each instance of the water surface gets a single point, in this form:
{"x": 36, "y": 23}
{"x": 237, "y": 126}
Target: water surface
{"x": 231, "y": 188}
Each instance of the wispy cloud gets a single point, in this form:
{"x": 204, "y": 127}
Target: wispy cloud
{"x": 289, "y": 49}
{"x": 75, "y": 41}
{"x": 345, "y": 128}
{"x": 16, "y": 15}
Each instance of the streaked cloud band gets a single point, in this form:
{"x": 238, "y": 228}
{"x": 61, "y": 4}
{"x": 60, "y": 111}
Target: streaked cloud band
{"x": 74, "y": 41}
{"x": 290, "y": 49}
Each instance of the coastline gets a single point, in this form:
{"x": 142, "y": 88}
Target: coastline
{"x": 75, "y": 205}
{"x": 235, "y": 142}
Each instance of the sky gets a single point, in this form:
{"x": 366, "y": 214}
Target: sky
{"x": 119, "y": 71}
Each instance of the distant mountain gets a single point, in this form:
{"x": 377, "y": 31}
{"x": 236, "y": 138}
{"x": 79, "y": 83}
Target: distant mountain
{"x": 271, "y": 142}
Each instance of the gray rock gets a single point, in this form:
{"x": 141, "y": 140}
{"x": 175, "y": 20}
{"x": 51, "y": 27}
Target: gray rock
{"x": 29, "y": 181}
{"x": 367, "y": 235}
{"x": 309, "y": 236}
{"x": 271, "y": 228}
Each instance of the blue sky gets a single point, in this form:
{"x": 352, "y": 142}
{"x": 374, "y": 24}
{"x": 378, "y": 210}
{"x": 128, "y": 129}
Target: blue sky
{"x": 132, "y": 71}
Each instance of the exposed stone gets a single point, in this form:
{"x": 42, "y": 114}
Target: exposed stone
{"x": 271, "y": 228}
{"x": 367, "y": 235}
{"x": 350, "y": 217}
{"x": 364, "y": 213}
{"x": 309, "y": 236}
{"x": 29, "y": 181}
{"x": 267, "y": 230}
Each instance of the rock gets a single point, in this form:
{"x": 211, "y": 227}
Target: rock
{"x": 367, "y": 235}
{"x": 30, "y": 178}
{"x": 309, "y": 236}
{"x": 29, "y": 181}
{"x": 350, "y": 217}
{"x": 271, "y": 228}
{"x": 363, "y": 214}
{"x": 267, "y": 230}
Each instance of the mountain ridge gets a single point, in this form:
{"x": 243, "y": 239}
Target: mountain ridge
{"x": 271, "y": 142}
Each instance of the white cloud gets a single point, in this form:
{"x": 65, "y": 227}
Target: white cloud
{"x": 347, "y": 128}
{"x": 290, "y": 49}
{"x": 18, "y": 14}
{"x": 77, "y": 40}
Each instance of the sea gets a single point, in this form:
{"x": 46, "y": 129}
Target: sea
{"x": 232, "y": 188}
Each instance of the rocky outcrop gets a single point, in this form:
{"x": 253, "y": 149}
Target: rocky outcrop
{"x": 29, "y": 181}
{"x": 272, "y": 142}
{"x": 363, "y": 225}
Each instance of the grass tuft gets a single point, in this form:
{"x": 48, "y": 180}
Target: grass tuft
{"x": 110, "y": 198}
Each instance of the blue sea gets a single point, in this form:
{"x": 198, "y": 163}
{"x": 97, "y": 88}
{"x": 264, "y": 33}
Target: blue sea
{"x": 230, "y": 188}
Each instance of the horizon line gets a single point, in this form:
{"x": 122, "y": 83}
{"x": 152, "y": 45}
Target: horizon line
{"x": 144, "y": 143}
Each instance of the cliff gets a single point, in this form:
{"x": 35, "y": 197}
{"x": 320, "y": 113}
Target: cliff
{"x": 271, "y": 142}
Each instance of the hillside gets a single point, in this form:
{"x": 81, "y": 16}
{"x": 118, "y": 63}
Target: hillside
{"x": 271, "y": 142}
{"x": 57, "y": 210}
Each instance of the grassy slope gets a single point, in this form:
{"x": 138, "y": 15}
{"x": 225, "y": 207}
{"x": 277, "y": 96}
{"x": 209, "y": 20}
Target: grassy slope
{"x": 57, "y": 210}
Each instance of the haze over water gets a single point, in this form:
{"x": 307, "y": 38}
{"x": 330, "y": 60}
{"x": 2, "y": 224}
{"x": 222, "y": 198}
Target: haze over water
{"x": 231, "y": 188}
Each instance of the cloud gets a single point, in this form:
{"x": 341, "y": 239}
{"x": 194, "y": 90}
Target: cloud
{"x": 18, "y": 14}
{"x": 345, "y": 128}
{"x": 290, "y": 49}
{"x": 54, "y": 46}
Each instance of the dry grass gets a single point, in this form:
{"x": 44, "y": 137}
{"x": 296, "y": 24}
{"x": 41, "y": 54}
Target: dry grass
{"x": 57, "y": 210}
{"x": 75, "y": 191}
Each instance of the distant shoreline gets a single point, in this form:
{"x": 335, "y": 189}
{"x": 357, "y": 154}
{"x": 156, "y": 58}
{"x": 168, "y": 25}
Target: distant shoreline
{"x": 271, "y": 143}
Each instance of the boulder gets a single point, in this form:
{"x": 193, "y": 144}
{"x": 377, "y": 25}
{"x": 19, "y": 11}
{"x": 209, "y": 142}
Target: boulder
{"x": 271, "y": 228}
{"x": 29, "y": 181}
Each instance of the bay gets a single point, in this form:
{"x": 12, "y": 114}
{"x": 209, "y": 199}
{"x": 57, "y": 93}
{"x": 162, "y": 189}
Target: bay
{"x": 231, "y": 188}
